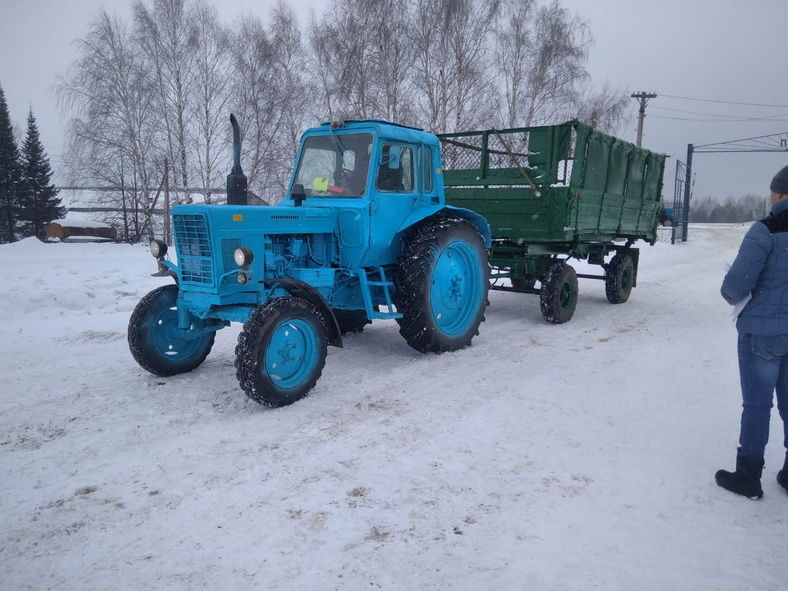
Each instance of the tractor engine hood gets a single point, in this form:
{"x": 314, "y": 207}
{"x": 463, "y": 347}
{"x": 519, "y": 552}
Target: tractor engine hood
{"x": 277, "y": 238}
{"x": 242, "y": 220}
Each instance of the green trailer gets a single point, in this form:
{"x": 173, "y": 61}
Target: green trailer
{"x": 555, "y": 193}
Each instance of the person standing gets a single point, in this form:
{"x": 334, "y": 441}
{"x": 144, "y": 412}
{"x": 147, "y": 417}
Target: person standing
{"x": 760, "y": 271}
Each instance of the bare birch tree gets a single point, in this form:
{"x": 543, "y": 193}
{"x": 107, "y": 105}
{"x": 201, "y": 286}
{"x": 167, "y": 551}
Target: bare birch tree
{"x": 342, "y": 46}
{"x": 362, "y": 54}
{"x": 513, "y": 46}
{"x": 166, "y": 34}
{"x": 294, "y": 93}
{"x": 393, "y": 54}
{"x": 256, "y": 102}
{"x": 212, "y": 84}
{"x": 452, "y": 72}
{"x": 542, "y": 54}
{"x": 320, "y": 59}
{"x": 605, "y": 110}
{"x": 111, "y": 96}
{"x": 558, "y": 57}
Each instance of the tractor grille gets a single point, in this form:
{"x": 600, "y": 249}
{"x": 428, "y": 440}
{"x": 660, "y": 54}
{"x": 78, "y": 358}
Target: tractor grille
{"x": 193, "y": 246}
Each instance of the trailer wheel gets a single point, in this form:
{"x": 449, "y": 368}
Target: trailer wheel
{"x": 619, "y": 278}
{"x": 281, "y": 351}
{"x": 442, "y": 284}
{"x": 558, "y": 297}
{"x": 351, "y": 321}
{"x": 156, "y": 342}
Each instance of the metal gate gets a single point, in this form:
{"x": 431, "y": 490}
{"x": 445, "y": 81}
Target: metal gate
{"x": 679, "y": 225}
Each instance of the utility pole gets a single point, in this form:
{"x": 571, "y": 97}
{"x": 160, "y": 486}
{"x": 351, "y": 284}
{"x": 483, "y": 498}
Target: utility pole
{"x": 643, "y": 98}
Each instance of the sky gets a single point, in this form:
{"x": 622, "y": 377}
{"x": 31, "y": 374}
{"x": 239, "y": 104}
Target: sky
{"x": 713, "y": 50}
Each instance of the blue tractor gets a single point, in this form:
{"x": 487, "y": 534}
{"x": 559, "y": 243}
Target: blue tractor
{"x": 363, "y": 233}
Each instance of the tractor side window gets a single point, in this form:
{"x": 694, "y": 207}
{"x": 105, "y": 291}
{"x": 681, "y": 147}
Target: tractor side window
{"x": 335, "y": 165}
{"x": 396, "y": 169}
{"x": 426, "y": 168}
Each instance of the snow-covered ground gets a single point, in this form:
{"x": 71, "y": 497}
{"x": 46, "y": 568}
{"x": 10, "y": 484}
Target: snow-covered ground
{"x": 578, "y": 456}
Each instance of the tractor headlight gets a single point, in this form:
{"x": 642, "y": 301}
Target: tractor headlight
{"x": 158, "y": 248}
{"x": 242, "y": 256}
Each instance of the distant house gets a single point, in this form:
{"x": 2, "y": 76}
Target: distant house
{"x": 75, "y": 228}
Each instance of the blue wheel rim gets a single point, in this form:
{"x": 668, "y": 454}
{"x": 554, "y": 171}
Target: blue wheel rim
{"x": 171, "y": 342}
{"x": 291, "y": 354}
{"x": 456, "y": 289}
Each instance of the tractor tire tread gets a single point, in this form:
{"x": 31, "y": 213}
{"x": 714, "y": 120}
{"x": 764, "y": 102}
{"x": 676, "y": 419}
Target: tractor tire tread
{"x": 137, "y": 338}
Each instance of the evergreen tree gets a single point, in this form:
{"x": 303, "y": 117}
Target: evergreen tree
{"x": 38, "y": 200}
{"x": 10, "y": 171}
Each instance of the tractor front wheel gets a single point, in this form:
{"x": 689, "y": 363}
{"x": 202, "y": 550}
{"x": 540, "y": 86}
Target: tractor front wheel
{"x": 281, "y": 351}
{"x": 558, "y": 297}
{"x": 155, "y": 340}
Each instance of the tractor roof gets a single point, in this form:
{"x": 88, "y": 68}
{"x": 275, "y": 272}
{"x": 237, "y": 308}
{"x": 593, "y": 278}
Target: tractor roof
{"x": 381, "y": 121}
{"x": 381, "y": 127}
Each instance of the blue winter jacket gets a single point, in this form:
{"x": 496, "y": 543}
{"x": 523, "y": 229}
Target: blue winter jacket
{"x": 761, "y": 268}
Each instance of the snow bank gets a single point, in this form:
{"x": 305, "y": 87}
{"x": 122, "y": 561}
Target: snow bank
{"x": 79, "y": 221}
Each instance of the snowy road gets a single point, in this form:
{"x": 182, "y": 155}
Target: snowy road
{"x": 578, "y": 456}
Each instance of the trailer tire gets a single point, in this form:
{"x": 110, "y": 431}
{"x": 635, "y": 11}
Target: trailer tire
{"x": 619, "y": 278}
{"x": 441, "y": 285}
{"x": 281, "y": 351}
{"x": 351, "y": 321}
{"x": 156, "y": 342}
{"x": 558, "y": 297}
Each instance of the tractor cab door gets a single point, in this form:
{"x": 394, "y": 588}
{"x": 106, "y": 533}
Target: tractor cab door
{"x": 394, "y": 196}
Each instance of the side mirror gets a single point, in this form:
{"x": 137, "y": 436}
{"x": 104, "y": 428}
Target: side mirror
{"x": 298, "y": 194}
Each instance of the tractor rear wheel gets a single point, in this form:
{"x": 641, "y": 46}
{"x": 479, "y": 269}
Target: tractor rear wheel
{"x": 156, "y": 342}
{"x": 281, "y": 351}
{"x": 441, "y": 285}
{"x": 558, "y": 297}
{"x": 619, "y": 278}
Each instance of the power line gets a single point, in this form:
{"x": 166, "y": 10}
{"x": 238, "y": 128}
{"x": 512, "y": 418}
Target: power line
{"x": 724, "y": 115}
{"x": 775, "y": 142}
{"x": 744, "y": 120}
{"x": 689, "y": 98}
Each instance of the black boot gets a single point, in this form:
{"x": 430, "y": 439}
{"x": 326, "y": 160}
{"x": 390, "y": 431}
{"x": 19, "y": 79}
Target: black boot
{"x": 745, "y": 481}
{"x": 782, "y": 475}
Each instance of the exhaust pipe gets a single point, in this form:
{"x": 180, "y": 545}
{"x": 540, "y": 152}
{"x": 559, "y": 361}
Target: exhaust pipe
{"x": 236, "y": 180}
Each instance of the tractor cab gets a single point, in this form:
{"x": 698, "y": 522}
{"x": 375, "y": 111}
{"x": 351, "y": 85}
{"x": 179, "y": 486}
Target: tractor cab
{"x": 376, "y": 174}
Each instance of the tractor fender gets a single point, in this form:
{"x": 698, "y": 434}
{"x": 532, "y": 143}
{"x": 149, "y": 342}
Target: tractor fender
{"x": 303, "y": 290}
{"x": 447, "y": 210}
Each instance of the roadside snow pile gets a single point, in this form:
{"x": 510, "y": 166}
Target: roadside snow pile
{"x": 79, "y": 221}
{"x": 574, "y": 456}
{"x": 70, "y": 280}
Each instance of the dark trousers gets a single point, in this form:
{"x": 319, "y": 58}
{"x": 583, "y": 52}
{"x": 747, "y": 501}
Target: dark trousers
{"x": 763, "y": 369}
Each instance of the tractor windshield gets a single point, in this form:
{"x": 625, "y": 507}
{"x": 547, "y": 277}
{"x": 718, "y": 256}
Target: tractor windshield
{"x": 335, "y": 165}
